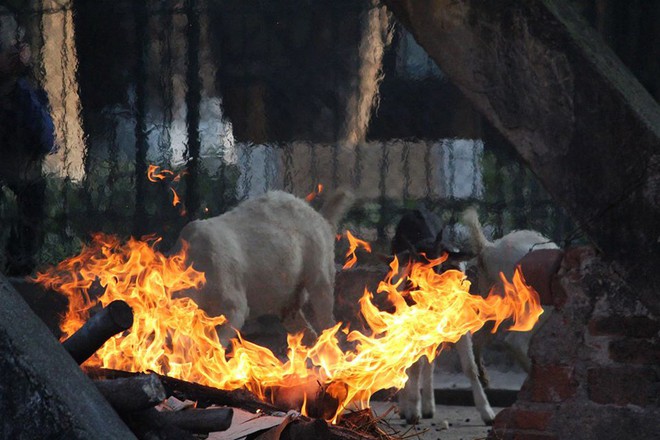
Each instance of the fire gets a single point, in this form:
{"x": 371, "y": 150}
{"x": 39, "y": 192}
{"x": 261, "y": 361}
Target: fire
{"x": 172, "y": 336}
{"x": 353, "y": 244}
{"x": 154, "y": 175}
{"x": 311, "y": 196}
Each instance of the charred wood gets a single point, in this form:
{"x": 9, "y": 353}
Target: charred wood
{"x": 199, "y": 421}
{"x": 132, "y": 393}
{"x": 114, "y": 318}
{"x": 319, "y": 429}
{"x": 204, "y": 396}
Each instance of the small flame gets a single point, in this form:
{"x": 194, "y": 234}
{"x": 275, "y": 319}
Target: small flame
{"x": 353, "y": 244}
{"x": 311, "y": 196}
{"x": 175, "y": 197}
{"x": 172, "y": 336}
{"x": 154, "y": 176}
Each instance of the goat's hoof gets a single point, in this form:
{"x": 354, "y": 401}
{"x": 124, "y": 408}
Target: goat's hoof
{"x": 413, "y": 420}
{"x": 428, "y": 415}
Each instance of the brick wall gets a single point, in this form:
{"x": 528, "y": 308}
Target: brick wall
{"x": 595, "y": 363}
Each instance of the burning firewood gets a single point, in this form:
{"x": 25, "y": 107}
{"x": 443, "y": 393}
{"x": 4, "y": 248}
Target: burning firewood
{"x": 116, "y": 317}
{"x": 132, "y": 393}
{"x": 164, "y": 425}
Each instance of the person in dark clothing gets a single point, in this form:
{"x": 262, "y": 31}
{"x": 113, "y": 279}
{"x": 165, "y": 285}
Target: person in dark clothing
{"x": 27, "y": 135}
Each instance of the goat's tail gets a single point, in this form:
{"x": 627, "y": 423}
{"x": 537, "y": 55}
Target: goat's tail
{"x": 336, "y": 205}
{"x": 477, "y": 237}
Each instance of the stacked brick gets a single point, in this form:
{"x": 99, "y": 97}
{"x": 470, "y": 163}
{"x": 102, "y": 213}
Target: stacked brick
{"x": 595, "y": 363}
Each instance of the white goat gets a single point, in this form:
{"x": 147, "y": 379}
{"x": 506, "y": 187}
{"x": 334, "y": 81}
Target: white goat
{"x": 417, "y": 399}
{"x": 270, "y": 255}
{"x": 502, "y": 256}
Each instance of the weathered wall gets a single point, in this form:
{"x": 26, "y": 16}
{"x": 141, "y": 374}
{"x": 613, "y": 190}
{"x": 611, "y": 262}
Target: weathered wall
{"x": 576, "y": 115}
{"x": 594, "y": 362}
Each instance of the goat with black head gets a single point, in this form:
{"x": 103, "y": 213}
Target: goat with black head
{"x": 418, "y": 238}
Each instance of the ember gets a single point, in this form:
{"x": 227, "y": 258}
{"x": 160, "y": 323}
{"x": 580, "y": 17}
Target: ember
{"x": 173, "y": 336}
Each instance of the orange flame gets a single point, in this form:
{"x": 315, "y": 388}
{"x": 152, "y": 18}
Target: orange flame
{"x": 311, "y": 196}
{"x": 175, "y": 197}
{"x": 171, "y": 335}
{"x": 154, "y": 176}
{"x": 353, "y": 244}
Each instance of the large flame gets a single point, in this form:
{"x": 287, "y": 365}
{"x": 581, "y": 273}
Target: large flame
{"x": 173, "y": 336}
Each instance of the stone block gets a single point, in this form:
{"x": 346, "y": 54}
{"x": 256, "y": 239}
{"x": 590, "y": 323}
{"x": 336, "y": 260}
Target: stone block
{"x": 617, "y": 325}
{"x": 551, "y": 383}
{"x": 635, "y": 351}
{"x": 622, "y": 385}
{"x": 43, "y": 392}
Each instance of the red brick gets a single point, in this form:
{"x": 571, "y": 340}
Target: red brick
{"x": 518, "y": 418}
{"x": 623, "y": 385}
{"x": 503, "y": 419}
{"x": 551, "y": 383}
{"x": 531, "y": 419}
{"x": 534, "y": 436}
{"x": 513, "y": 434}
{"x": 539, "y": 268}
{"x": 616, "y": 325}
{"x": 635, "y": 351}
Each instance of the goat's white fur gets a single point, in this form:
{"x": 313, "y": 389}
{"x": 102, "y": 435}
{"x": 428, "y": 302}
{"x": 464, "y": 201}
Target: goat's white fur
{"x": 502, "y": 256}
{"x": 267, "y": 256}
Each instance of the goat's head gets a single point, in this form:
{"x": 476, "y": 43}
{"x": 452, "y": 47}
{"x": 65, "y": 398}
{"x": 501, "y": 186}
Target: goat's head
{"x": 414, "y": 241}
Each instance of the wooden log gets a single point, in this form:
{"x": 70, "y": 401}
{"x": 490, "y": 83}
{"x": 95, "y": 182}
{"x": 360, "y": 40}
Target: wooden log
{"x": 132, "y": 393}
{"x": 198, "y": 421}
{"x": 204, "y": 395}
{"x": 114, "y": 318}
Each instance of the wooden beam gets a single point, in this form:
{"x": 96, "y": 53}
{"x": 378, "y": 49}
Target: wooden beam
{"x": 582, "y": 123}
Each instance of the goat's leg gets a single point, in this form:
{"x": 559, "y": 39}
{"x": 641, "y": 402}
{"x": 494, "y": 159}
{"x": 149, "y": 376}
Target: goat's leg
{"x": 408, "y": 397}
{"x": 320, "y": 305}
{"x": 236, "y": 310}
{"x": 479, "y": 341}
{"x": 426, "y": 382}
{"x": 469, "y": 366}
{"x": 296, "y": 322}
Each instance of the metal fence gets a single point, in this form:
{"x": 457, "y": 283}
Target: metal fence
{"x": 156, "y": 82}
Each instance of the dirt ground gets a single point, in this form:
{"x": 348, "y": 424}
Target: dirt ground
{"x": 450, "y": 423}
